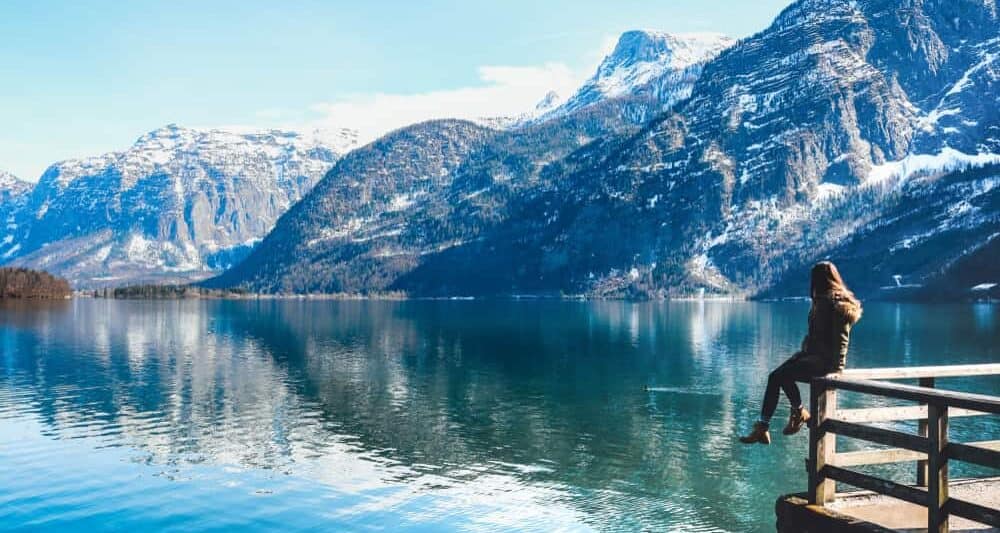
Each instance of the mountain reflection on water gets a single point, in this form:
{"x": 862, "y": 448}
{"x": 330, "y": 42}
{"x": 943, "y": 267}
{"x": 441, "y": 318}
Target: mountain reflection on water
{"x": 429, "y": 415}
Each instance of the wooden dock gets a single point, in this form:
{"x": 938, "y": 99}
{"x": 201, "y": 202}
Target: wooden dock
{"x": 935, "y": 503}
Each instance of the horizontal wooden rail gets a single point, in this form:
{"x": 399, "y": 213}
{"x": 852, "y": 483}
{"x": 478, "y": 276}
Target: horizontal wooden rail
{"x": 911, "y": 372}
{"x": 888, "y": 437}
{"x": 901, "y": 455}
{"x": 896, "y": 413}
{"x": 964, "y": 400}
{"x": 975, "y": 452}
{"x": 877, "y": 457}
{"x": 874, "y": 484}
{"x": 973, "y": 511}
{"x": 962, "y": 508}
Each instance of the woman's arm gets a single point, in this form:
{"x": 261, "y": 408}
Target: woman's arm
{"x": 843, "y": 339}
{"x": 809, "y": 329}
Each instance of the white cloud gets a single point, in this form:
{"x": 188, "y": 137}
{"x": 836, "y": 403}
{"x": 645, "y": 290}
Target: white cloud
{"x": 505, "y": 91}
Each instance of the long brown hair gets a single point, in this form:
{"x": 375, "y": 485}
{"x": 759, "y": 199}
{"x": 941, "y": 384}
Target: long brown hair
{"x": 825, "y": 281}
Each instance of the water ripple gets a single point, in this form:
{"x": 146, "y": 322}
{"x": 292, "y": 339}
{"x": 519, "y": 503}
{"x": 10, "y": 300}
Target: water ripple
{"x": 472, "y": 416}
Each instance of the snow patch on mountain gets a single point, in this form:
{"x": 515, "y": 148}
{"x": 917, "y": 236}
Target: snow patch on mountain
{"x": 8, "y": 180}
{"x": 947, "y": 160}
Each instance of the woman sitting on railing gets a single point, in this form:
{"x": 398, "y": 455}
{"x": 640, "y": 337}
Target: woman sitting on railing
{"x": 824, "y": 350}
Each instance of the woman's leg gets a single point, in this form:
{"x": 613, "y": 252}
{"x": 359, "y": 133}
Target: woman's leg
{"x": 792, "y": 392}
{"x": 798, "y": 366}
{"x": 775, "y": 382}
{"x": 782, "y": 377}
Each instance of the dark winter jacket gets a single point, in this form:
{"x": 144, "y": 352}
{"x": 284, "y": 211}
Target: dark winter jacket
{"x": 830, "y": 321}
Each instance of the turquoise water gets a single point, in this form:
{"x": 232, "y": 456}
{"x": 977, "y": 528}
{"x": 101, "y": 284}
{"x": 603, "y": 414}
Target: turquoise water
{"x": 421, "y": 415}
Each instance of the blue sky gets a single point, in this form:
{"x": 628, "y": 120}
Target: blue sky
{"x": 82, "y": 78}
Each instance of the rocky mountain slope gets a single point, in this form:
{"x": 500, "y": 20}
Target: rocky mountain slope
{"x": 178, "y": 205}
{"x": 935, "y": 236}
{"x": 388, "y": 207}
{"x": 792, "y": 144}
{"x": 792, "y": 141}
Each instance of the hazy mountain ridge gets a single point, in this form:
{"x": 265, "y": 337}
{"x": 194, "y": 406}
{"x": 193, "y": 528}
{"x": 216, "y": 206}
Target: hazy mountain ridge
{"x": 177, "y": 205}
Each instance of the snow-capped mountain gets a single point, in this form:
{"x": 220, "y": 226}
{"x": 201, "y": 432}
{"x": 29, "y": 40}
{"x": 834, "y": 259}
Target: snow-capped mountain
{"x": 11, "y": 187}
{"x": 13, "y": 193}
{"x": 178, "y": 204}
{"x": 658, "y": 65}
{"x": 841, "y": 118}
{"x": 791, "y": 141}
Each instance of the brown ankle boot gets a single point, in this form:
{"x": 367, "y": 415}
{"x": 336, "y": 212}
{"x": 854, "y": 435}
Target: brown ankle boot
{"x": 796, "y": 420}
{"x": 758, "y": 434}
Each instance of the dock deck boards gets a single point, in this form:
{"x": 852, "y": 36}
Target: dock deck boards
{"x": 867, "y": 511}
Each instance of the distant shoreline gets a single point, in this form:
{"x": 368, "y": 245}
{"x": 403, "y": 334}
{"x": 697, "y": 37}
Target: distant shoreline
{"x": 217, "y": 294}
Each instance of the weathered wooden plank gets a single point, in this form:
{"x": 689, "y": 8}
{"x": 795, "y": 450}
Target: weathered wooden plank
{"x": 874, "y": 484}
{"x": 888, "y": 437}
{"x": 937, "y": 469}
{"x": 877, "y": 457}
{"x": 986, "y": 453}
{"x": 964, "y": 400}
{"x": 897, "y": 413}
{"x": 822, "y": 444}
{"x": 900, "y": 455}
{"x": 973, "y": 511}
{"x": 913, "y": 372}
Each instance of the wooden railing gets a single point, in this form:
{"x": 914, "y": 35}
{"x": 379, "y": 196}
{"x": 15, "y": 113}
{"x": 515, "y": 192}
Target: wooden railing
{"x": 930, "y": 447}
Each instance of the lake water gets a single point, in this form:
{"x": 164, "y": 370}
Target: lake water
{"x": 421, "y": 415}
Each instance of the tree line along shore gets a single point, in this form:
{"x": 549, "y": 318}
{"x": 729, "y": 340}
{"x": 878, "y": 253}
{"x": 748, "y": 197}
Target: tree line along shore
{"x": 26, "y": 283}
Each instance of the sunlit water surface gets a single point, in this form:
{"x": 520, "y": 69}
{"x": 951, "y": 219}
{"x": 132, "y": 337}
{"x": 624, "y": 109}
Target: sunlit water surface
{"x": 421, "y": 415}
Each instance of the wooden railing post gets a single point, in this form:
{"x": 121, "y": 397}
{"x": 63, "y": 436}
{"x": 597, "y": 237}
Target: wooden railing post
{"x": 822, "y": 444}
{"x": 922, "y": 431}
{"x": 937, "y": 468}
